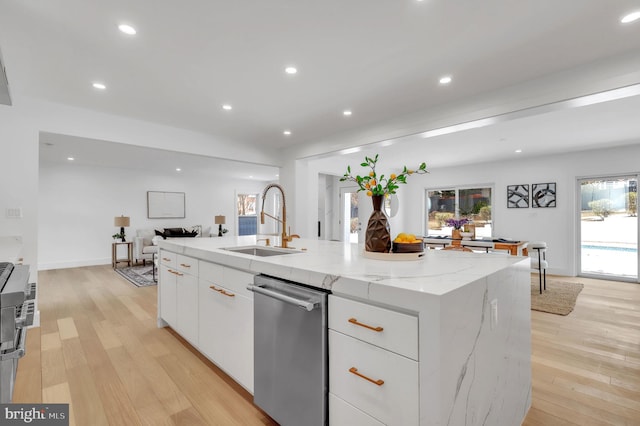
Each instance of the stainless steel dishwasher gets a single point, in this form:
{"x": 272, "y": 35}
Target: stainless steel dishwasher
{"x": 290, "y": 351}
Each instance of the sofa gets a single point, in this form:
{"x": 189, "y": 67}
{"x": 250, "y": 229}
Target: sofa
{"x": 146, "y": 240}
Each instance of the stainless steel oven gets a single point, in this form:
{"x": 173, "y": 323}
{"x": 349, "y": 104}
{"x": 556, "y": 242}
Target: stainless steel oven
{"x": 17, "y": 306}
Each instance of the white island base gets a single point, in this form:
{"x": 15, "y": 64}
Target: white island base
{"x": 455, "y": 344}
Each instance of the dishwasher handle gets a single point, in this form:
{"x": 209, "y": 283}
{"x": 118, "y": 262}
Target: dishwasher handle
{"x": 308, "y": 306}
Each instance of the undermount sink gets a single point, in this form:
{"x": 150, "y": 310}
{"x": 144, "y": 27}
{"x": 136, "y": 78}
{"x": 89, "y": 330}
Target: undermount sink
{"x": 261, "y": 251}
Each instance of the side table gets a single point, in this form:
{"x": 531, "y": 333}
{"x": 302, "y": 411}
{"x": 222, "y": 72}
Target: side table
{"x": 114, "y": 253}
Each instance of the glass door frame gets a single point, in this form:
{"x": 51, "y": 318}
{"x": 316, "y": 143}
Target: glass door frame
{"x": 578, "y": 216}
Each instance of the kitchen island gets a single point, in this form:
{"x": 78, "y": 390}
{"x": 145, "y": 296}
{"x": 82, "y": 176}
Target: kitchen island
{"x": 456, "y": 346}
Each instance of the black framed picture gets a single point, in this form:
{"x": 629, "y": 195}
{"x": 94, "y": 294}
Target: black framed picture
{"x": 543, "y": 195}
{"x": 518, "y": 196}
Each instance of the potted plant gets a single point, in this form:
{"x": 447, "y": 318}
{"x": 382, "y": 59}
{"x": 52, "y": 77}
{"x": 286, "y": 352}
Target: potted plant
{"x": 457, "y": 225}
{"x": 378, "y": 234}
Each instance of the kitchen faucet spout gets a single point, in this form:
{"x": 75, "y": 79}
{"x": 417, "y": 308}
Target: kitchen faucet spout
{"x": 285, "y": 238}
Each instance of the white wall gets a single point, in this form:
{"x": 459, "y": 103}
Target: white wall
{"x": 557, "y": 226}
{"x": 21, "y": 124}
{"x": 19, "y": 180}
{"x": 78, "y": 205}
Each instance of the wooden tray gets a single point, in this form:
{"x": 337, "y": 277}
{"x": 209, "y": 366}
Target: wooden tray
{"x": 393, "y": 256}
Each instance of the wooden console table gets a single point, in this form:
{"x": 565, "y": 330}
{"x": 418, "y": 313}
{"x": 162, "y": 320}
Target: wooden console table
{"x": 114, "y": 253}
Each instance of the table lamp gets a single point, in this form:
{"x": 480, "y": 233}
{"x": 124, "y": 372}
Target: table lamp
{"x": 121, "y": 221}
{"x": 219, "y": 220}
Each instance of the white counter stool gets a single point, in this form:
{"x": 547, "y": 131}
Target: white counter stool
{"x": 538, "y": 254}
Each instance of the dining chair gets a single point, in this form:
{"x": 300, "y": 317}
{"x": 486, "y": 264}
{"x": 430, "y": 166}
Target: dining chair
{"x": 485, "y": 246}
{"x": 538, "y": 254}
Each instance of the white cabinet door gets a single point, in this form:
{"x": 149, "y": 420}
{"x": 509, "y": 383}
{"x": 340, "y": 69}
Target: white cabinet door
{"x": 226, "y": 322}
{"x": 187, "y": 307}
{"x": 237, "y": 331}
{"x": 167, "y": 295}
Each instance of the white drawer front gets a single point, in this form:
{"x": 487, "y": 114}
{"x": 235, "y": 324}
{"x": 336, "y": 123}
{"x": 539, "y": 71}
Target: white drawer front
{"x": 168, "y": 258}
{"x": 238, "y": 281}
{"x": 343, "y": 414}
{"x": 388, "y": 329}
{"x": 188, "y": 265}
{"x": 212, "y": 272}
{"x": 393, "y": 402}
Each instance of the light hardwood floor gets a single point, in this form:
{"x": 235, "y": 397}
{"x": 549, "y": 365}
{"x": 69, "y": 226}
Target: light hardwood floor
{"x": 98, "y": 349}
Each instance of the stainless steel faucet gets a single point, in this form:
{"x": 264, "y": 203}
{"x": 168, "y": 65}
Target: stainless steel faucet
{"x": 285, "y": 238}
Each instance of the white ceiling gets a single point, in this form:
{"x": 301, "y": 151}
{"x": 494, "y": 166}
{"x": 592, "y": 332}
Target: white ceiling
{"x": 56, "y": 148}
{"x": 382, "y": 59}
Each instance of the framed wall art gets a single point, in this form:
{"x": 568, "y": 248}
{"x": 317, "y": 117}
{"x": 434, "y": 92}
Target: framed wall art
{"x": 543, "y": 195}
{"x": 517, "y": 196}
{"x": 161, "y": 205}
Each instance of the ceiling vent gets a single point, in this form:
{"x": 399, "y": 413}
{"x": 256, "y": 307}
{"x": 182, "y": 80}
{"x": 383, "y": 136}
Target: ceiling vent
{"x": 5, "y": 98}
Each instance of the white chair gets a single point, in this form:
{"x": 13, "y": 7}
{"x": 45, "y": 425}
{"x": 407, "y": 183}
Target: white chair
{"x": 143, "y": 246}
{"x": 538, "y": 254}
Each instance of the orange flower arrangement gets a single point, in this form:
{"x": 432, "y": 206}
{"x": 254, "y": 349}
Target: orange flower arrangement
{"x": 382, "y": 185}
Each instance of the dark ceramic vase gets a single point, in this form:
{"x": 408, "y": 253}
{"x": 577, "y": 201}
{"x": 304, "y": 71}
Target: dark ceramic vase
{"x": 378, "y": 236}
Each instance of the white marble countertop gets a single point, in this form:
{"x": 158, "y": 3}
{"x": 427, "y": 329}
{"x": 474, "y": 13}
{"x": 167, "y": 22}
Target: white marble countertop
{"x": 10, "y": 249}
{"x": 342, "y": 268}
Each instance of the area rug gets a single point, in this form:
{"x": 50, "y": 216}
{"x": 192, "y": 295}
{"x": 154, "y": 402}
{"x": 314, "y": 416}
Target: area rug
{"x": 140, "y": 276}
{"x": 559, "y": 298}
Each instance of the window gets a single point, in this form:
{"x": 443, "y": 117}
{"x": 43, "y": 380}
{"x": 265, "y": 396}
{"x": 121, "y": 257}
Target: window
{"x": 472, "y": 203}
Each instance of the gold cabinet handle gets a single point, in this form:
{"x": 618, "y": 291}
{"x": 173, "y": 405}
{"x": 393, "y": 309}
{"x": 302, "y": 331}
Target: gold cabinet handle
{"x": 184, "y": 265}
{"x": 175, "y": 272}
{"x": 221, "y": 291}
{"x": 378, "y": 382}
{"x": 355, "y": 321}
{"x": 166, "y": 259}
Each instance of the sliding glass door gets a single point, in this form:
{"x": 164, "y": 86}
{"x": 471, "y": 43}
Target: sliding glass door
{"x": 609, "y": 227}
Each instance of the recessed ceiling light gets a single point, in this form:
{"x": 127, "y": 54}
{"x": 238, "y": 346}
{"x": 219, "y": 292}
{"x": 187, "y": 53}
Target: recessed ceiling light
{"x": 445, "y": 79}
{"x": 287, "y": 132}
{"x": 250, "y": 177}
{"x": 518, "y": 151}
{"x": 227, "y": 107}
{"x": 99, "y": 86}
{"x": 127, "y": 29}
{"x": 178, "y": 169}
{"x": 291, "y": 70}
{"x": 631, "y": 17}
{"x": 346, "y": 112}
{"x": 277, "y": 175}
{"x": 70, "y": 158}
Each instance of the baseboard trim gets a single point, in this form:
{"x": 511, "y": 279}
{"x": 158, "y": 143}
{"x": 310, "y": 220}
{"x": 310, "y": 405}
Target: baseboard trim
{"x": 73, "y": 264}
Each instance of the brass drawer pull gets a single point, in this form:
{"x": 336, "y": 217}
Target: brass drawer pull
{"x": 355, "y": 321}
{"x": 221, "y": 291}
{"x": 378, "y": 382}
{"x": 175, "y": 272}
{"x": 166, "y": 259}
{"x": 184, "y": 265}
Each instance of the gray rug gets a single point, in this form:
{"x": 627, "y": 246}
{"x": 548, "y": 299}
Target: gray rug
{"x": 140, "y": 276}
{"x": 559, "y": 298}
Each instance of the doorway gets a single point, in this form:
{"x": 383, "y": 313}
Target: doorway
{"x": 247, "y": 214}
{"x": 355, "y": 209}
{"x": 608, "y": 217}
